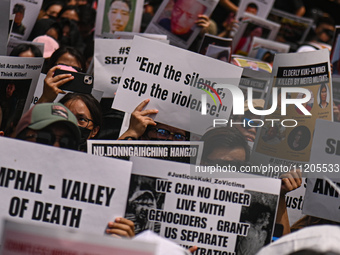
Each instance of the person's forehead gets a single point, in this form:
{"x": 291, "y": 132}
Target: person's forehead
{"x": 120, "y": 5}
{"x": 78, "y": 107}
{"x": 68, "y": 59}
{"x": 228, "y": 154}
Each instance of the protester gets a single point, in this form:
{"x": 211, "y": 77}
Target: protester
{"x": 50, "y": 45}
{"x": 49, "y": 124}
{"x": 321, "y": 37}
{"x": 224, "y": 145}
{"x": 70, "y": 12}
{"x": 88, "y": 113}
{"x": 26, "y": 50}
{"x": 292, "y": 6}
{"x": 248, "y": 131}
{"x": 79, "y": 118}
{"x": 52, "y": 9}
{"x": 145, "y": 128}
{"x": 67, "y": 56}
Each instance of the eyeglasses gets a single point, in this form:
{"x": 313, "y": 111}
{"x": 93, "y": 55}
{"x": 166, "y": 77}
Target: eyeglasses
{"x": 84, "y": 122}
{"x": 163, "y": 134}
{"x": 48, "y": 138}
{"x": 250, "y": 124}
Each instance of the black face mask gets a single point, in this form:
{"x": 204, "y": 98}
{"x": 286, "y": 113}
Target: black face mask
{"x": 84, "y": 134}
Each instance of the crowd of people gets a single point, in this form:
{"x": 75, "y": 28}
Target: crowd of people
{"x": 67, "y": 28}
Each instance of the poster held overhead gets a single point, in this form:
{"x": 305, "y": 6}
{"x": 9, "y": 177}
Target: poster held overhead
{"x": 185, "y": 152}
{"x": 74, "y": 193}
{"x": 18, "y": 80}
{"x": 177, "y": 20}
{"x": 214, "y": 40}
{"x": 114, "y": 15}
{"x": 26, "y": 13}
{"x": 252, "y": 26}
{"x": 260, "y": 47}
{"x": 302, "y": 87}
{"x": 174, "y": 83}
{"x": 216, "y": 215}
{"x": 256, "y": 7}
{"x": 322, "y": 198}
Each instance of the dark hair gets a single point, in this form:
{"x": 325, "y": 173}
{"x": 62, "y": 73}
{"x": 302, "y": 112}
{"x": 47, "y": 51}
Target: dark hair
{"x": 128, "y": 2}
{"x": 268, "y": 56}
{"x": 22, "y": 47}
{"x": 223, "y": 137}
{"x": 325, "y": 20}
{"x": 66, "y": 49}
{"x": 19, "y": 8}
{"x": 87, "y": 15}
{"x": 224, "y": 53}
{"x": 69, "y": 8}
{"x": 323, "y": 85}
{"x": 253, "y": 5}
{"x": 255, "y": 211}
{"x": 304, "y": 138}
{"x": 91, "y": 103}
{"x": 50, "y": 3}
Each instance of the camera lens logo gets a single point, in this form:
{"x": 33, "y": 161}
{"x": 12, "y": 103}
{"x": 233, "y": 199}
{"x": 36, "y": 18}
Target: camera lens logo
{"x": 88, "y": 80}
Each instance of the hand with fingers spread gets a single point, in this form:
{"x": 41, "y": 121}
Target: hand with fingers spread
{"x": 121, "y": 227}
{"x": 52, "y": 84}
{"x": 139, "y": 121}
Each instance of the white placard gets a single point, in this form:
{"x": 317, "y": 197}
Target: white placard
{"x": 185, "y": 152}
{"x": 176, "y": 19}
{"x": 35, "y": 239}
{"x": 18, "y": 80}
{"x": 217, "y": 215}
{"x": 287, "y": 145}
{"x": 321, "y": 199}
{"x": 259, "y": 47}
{"x": 259, "y": 8}
{"x": 26, "y": 14}
{"x": 67, "y": 189}
{"x": 174, "y": 83}
{"x": 109, "y": 60}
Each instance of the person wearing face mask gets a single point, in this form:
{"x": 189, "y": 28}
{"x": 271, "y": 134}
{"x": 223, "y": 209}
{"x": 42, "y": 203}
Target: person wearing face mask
{"x": 88, "y": 113}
